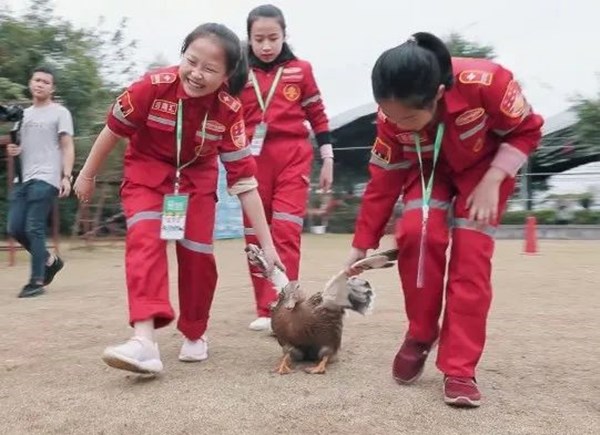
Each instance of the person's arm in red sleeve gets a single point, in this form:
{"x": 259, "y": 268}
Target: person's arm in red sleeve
{"x": 126, "y": 115}
{"x": 130, "y": 110}
{"x": 234, "y": 152}
{"x": 513, "y": 119}
{"x": 387, "y": 169}
{"x": 312, "y": 104}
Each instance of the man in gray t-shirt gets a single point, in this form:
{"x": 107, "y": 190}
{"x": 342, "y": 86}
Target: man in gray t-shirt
{"x": 47, "y": 154}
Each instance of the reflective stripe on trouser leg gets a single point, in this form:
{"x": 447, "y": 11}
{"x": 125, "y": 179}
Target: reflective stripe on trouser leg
{"x": 423, "y": 305}
{"x": 146, "y": 269}
{"x": 468, "y": 299}
{"x": 287, "y": 230}
{"x": 197, "y": 267}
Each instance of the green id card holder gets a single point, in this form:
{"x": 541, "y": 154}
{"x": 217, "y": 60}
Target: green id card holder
{"x": 174, "y": 212}
{"x": 258, "y": 139}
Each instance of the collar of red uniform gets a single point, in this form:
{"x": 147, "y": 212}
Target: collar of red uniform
{"x": 454, "y": 101}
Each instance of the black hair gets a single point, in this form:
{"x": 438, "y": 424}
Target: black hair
{"x": 265, "y": 11}
{"x": 46, "y": 70}
{"x": 413, "y": 71}
{"x": 235, "y": 59}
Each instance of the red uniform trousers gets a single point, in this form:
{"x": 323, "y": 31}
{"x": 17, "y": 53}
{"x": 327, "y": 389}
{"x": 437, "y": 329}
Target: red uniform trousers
{"x": 283, "y": 184}
{"x": 147, "y": 264}
{"x": 468, "y": 288}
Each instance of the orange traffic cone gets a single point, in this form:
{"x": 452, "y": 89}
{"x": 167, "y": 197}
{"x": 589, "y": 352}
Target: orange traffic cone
{"x": 531, "y": 235}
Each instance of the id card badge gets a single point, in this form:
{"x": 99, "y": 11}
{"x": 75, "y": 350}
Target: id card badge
{"x": 260, "y": 132}
{"x": 172, "y": 226}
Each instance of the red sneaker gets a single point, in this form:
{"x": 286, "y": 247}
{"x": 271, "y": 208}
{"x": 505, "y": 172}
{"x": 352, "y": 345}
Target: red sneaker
{"x": 410, "y": 361}
{"x": 462, "y": 392}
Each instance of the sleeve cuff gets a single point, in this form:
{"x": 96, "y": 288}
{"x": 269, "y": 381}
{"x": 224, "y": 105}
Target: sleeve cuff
{"x": 509, "y": 159}
{"x": 243, "y": 185}
{"x": 326, "y": 151}
{"x": 119, "y": 129}
{"x": 360, "y": 241}
{"x": 323, "y": 138}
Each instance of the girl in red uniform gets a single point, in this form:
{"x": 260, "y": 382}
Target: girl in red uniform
{"x": 451, "y": 133}
{"x": 178, "y": 120}
{"x": 281, "y": 94}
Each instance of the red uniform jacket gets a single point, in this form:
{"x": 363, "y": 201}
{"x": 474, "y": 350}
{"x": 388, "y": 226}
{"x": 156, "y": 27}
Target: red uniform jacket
{"x": 487, "y": 122}
{"x": 297, "y": 98}
{"x": 146, "y": 113}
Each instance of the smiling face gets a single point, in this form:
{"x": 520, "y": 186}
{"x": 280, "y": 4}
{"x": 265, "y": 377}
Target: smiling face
{"x": 266, "y": 38}
{"x": 203, "y": 67}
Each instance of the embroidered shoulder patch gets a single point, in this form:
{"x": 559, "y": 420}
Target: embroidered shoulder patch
{"x": 382, "y": 151}
{"x": 125, "y": 104}
{"x": 159, "y": 78}
{"x": 513, "y": 103}
{"x": 473, "y": 76}
{"x": 238, "y": 134}
{"x": 231, "y": 102}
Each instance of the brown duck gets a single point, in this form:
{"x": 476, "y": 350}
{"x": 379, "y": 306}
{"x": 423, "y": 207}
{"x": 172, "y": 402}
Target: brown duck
{"x": 309, "y": 327}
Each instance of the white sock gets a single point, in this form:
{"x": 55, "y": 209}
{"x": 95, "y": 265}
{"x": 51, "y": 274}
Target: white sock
{"x": 145, "y": 329}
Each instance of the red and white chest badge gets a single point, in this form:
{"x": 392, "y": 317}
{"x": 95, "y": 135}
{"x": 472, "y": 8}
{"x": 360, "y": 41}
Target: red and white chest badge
{"x": 215, "y": 126}
{"x": 470, "y": 116}
{"x": 165, "y": 106}
{"x": 408, "y": 138}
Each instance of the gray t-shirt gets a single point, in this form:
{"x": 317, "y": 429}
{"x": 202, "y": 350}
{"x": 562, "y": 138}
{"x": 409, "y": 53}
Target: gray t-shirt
{"x": 41, "y": 155}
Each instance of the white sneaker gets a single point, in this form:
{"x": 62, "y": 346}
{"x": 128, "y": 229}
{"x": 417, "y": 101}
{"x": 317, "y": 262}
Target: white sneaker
{"x": 138, "y": 355}
{"x": 261, "y": 324}
{"x": 194, "y": 351}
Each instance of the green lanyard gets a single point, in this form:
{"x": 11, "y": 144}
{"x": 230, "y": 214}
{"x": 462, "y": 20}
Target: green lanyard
{"x": 426, "y": 189}
{"x": 264, "y": 104}
{"x": 179, "y": 135}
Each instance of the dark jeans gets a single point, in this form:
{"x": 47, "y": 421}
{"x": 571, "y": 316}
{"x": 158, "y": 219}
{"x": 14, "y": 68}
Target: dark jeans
{"x": 29, "y": 208}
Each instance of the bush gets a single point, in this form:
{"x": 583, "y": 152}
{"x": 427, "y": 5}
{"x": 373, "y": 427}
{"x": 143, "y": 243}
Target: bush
{"x": 586, "y": 217}
{"x": 543, "y": 217}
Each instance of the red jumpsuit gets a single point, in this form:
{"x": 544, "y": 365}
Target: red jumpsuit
{"x": 488, "y": 123}
{"x": 284, "y": 163}
{"x": 146, "y": 113}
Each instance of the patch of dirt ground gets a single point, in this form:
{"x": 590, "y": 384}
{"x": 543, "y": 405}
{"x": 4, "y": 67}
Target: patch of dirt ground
{"x": 540, "y": 373}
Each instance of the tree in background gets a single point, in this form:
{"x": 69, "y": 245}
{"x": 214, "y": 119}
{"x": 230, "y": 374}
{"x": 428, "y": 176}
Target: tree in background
{"x": 90, "y": 64}
{"x": 461, "y": 47}
{"x": 588, "y": 126}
